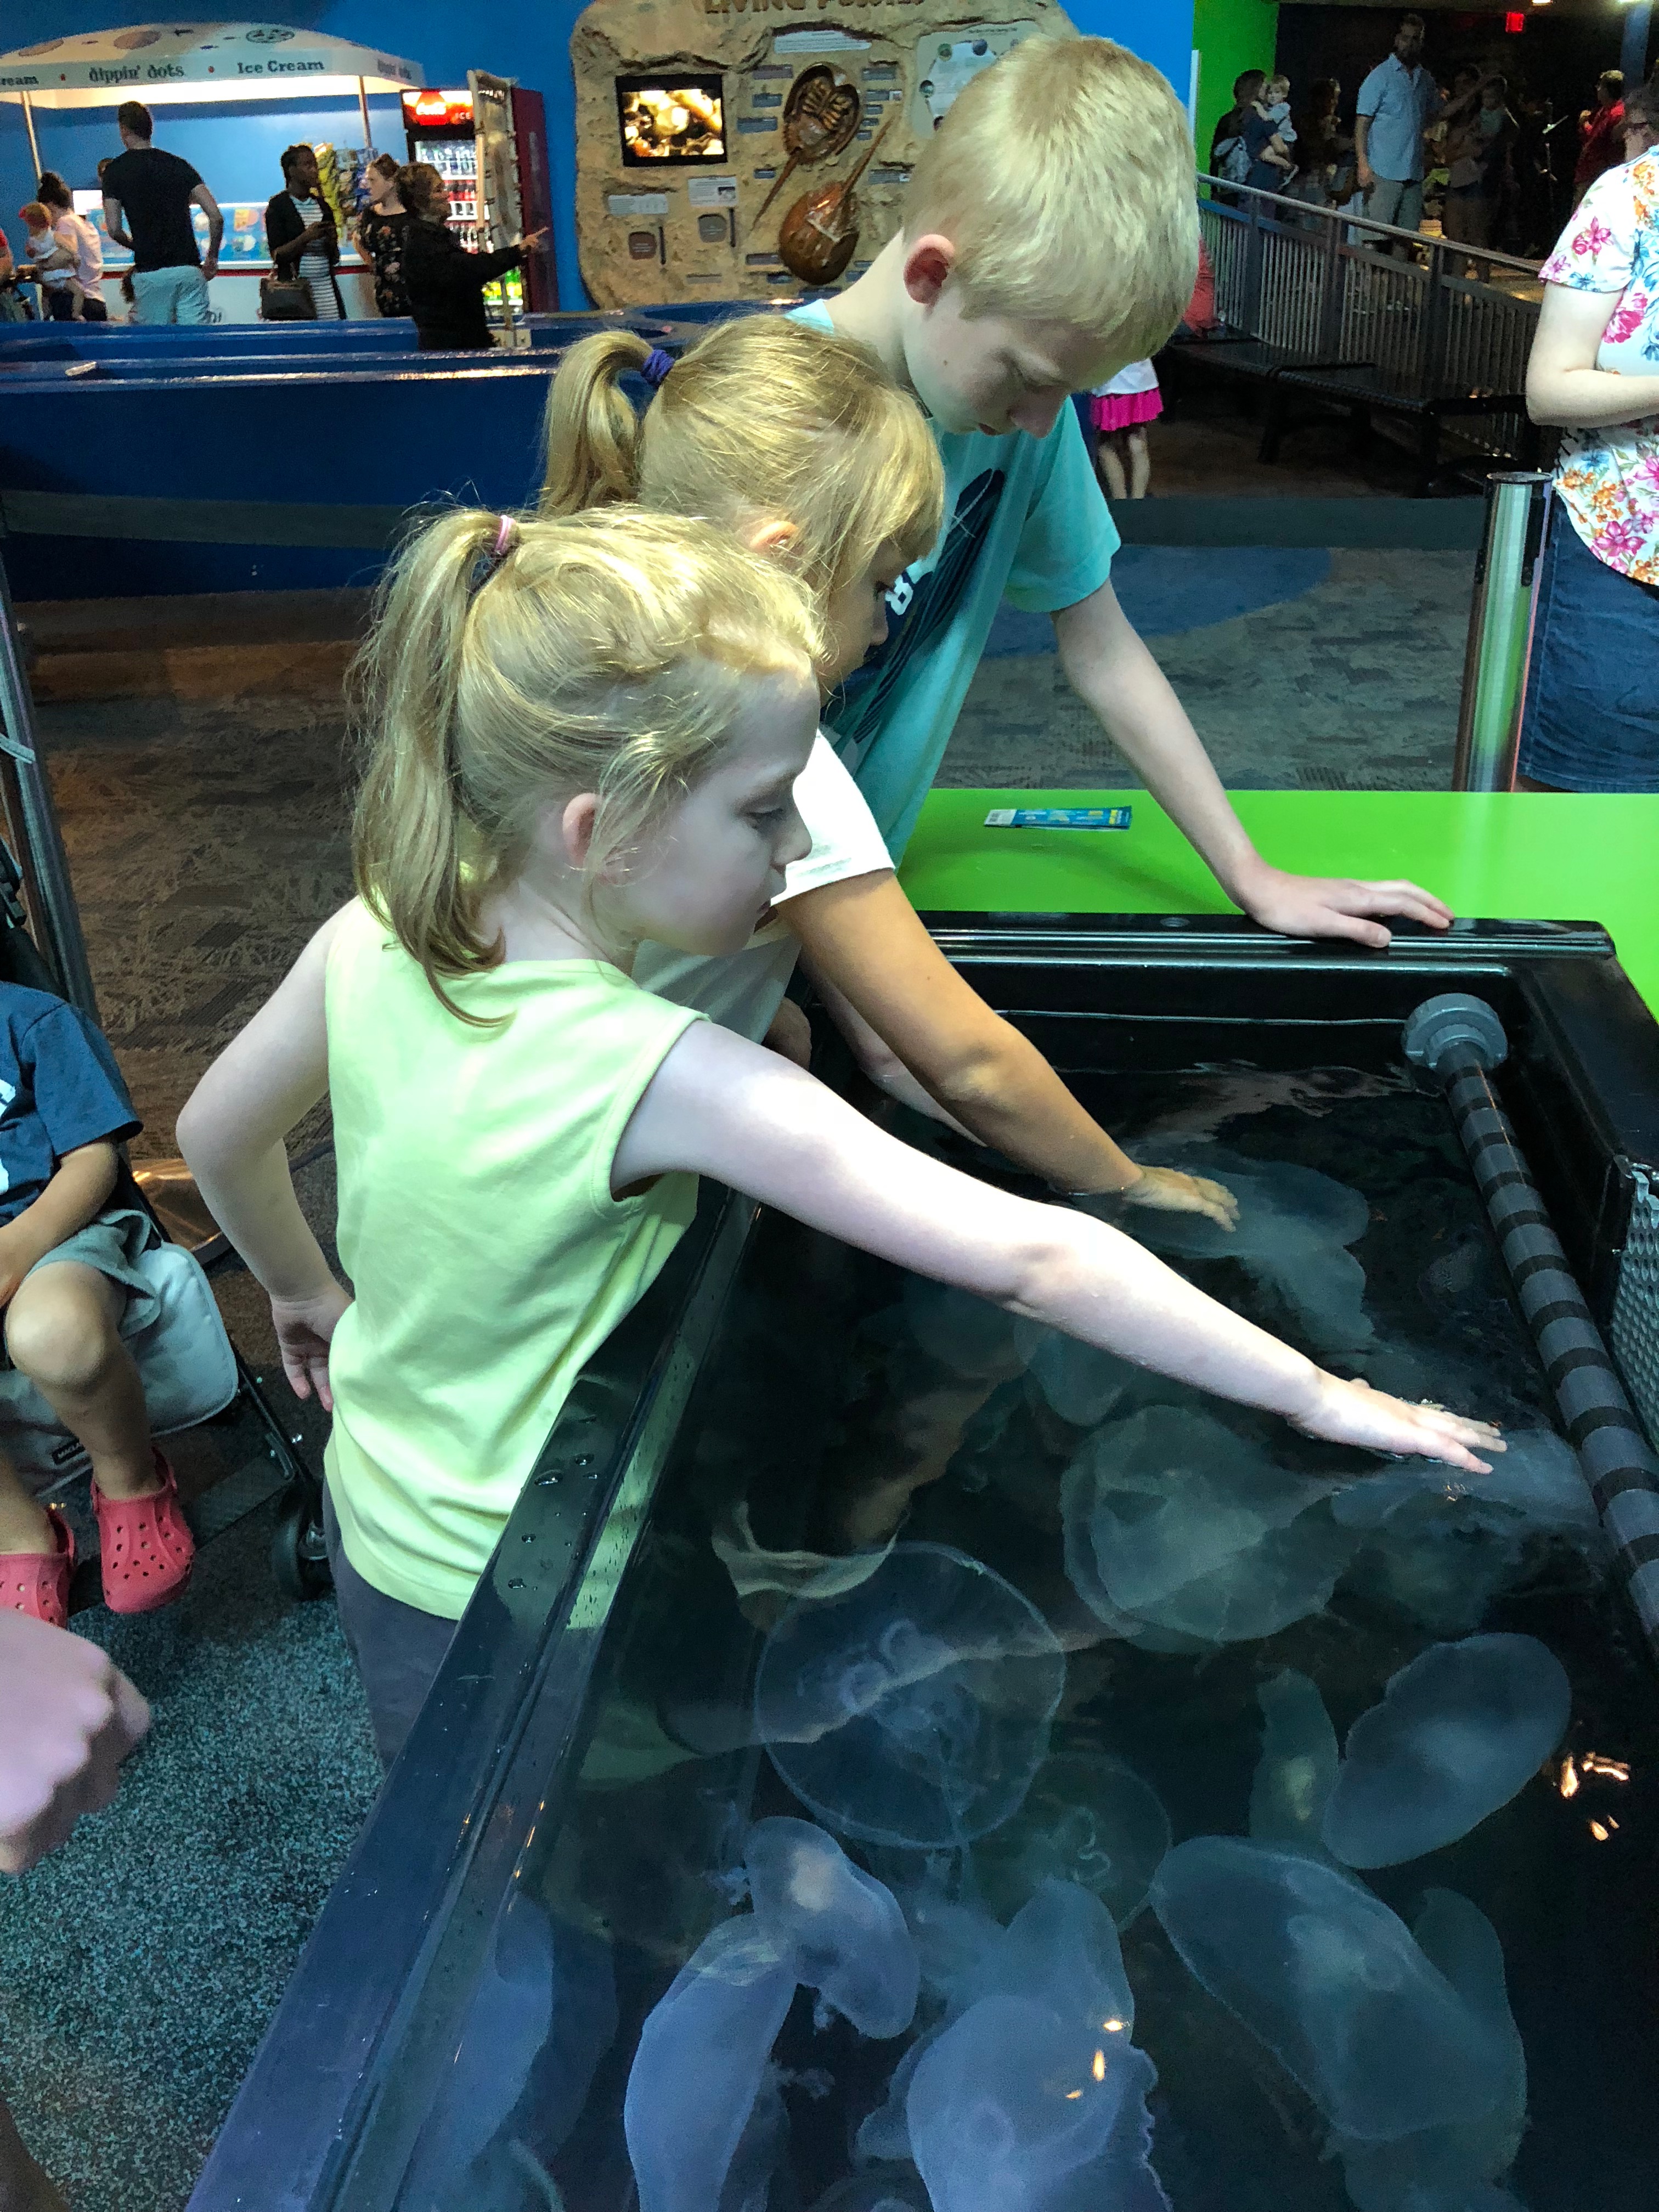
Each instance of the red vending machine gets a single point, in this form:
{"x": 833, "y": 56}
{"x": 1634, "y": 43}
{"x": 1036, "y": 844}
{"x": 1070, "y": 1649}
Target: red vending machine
{"x": 490, "y": 145}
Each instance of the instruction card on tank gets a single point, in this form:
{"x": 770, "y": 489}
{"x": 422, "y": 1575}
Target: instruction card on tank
{"x": 1059, "y": 818}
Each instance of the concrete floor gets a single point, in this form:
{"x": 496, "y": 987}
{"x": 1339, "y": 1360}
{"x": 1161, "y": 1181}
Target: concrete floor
{"x": 198, "y": 754}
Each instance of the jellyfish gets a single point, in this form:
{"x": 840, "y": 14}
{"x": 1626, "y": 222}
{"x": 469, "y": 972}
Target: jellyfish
{"x": 1459, "y": 1732}
{"x": 1294, "y": 1225}
{"x": 701, "y": 2112}
{"x": 1456, "y": 2167}
{"x": 1299, "y": 1765}
{"x": 1440, "y": 1544}
{"x": 1320, "y": 1971}
{"x": 847, "y": 1933}
{"x": 1059, "y": 1952}
{"x": 1180, "y": 1533}
{"x": 915, "y": 1710}
{"x": 700, "y": 2063}
{"x": 1082, "y": 1382}
{"x": 1088, "y": 1819}
{"x": 1011, "y": 2105}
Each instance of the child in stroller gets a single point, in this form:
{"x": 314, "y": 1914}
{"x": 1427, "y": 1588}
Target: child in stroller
{"x": 69, "y": 1276}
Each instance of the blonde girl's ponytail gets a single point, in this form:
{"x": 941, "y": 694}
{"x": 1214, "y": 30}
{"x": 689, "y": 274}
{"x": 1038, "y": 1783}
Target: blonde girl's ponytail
{"x": 590, "y": 429}
{"x": 515, "y": 662}
{"x": 410, "y": 846}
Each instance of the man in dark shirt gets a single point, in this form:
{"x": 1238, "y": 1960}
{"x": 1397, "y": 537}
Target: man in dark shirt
{"x": 148, "y": 196}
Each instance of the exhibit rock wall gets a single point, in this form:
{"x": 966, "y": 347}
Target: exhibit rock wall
{"x": 708, "y": 131}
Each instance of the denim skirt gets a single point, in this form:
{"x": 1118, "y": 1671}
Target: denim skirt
{"x": 1591, "y": 721}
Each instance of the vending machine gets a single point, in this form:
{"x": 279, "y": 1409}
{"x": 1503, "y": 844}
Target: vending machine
{"x": 489, "y": 145}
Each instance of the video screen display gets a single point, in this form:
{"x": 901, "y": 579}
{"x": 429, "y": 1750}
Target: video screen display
{"x": 670, "y": 119}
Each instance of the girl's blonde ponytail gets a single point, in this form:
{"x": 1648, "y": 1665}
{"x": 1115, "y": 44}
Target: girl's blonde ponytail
{"x": 409, "y": 848}
{"x": 591, "y": 431}
{"x": 517, "y": 662}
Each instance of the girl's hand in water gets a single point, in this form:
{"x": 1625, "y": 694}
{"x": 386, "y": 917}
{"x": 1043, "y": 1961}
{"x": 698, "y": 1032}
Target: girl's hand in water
{"x": 1169, "y": 1191}
{"x": 305, "y": 1329}
{"x": 1354, "y": 1413}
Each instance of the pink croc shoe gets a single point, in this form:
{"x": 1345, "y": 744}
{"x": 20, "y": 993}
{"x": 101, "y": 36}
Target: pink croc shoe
{"x": 147, "y": 1548}
{"x": 38, "y": 1582}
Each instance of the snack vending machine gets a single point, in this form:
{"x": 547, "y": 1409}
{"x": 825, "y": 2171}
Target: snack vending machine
{"x": 490, "y": 145}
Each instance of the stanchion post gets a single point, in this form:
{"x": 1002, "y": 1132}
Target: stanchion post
{"x": 43, "y": 860}
{"x": 1500, "y": 632}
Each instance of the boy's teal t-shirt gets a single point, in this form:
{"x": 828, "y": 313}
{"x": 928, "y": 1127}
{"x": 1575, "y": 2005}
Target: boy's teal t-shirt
{"x": 1024, "y": 521}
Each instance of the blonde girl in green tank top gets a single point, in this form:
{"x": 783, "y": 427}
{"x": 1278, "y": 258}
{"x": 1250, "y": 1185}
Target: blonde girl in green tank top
{"x": 804, "y": 446}
{"x": 584, "y": 733}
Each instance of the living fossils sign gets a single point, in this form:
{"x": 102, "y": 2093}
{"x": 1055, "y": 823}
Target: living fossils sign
{"x": 901, "y": 63}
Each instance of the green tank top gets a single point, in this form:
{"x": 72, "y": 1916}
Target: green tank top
{"x": 477, "y": 1226}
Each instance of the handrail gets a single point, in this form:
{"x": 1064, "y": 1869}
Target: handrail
{"x": 1343, "y": 215}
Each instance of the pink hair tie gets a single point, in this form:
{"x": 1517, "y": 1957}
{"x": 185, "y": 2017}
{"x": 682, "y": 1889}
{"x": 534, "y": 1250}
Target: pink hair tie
{"x": 487, "y": 563}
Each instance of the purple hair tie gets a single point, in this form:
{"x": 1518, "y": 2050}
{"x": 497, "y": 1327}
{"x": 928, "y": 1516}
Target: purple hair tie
{"x": 656, "y": 366}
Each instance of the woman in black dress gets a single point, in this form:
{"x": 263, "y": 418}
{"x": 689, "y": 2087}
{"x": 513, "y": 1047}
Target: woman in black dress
{"x": 445, "y": 282}
{"x": 380, "y": 230}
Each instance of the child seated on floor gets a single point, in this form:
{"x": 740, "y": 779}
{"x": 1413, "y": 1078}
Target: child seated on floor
{"x": 838, "y": 481}
{"x": 53, "y": 266}
{"x": 69, "y": 1274}
{"x": 586, "y": 732}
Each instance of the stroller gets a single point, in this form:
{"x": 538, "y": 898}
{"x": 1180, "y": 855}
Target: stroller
{"x": 191, "y": 1373}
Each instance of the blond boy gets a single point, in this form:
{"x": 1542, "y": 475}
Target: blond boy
{"x": 1050, "y": 236}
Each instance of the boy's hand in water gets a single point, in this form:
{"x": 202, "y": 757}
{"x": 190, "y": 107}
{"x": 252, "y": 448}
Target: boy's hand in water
{"x": 1168, "y": 1191}
{"x": 1354, "y": 1413}
{"x": 305, "y": 1329}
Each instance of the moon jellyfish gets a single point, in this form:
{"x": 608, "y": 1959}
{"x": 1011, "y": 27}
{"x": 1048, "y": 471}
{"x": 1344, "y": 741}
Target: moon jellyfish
{"x": 1459, "y": 1731}
{"x": 1299, "y": 1765}
{"x": 1082, "y": 1382}
{"x": 701, "y": 2058}
{"x": 847, "y": 1936}
{"x": 701, "y": 2105}
{"x": 1011, "y": 2105}
{"x": 1320, "y": 1971}
{"x": 1088, "y": 1819}
{"x": 915, "y": 1709}
{"x": 1439, "y": 1544}
{"x": 1455, "y": 2168}
{"x": 1294, "y": 1225}
{"x": 1180, "y": 1533}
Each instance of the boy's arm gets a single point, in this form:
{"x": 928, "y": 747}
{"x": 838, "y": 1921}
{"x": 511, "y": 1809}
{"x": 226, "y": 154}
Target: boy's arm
{"x": 79, "y": 1186}
{"x": 872, "y": 960}
{"x": 231, "y": 1134}
{"x": 1111, "y": 671}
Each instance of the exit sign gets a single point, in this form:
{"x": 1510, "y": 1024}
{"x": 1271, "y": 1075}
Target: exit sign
{"x": 1514, "y": 24}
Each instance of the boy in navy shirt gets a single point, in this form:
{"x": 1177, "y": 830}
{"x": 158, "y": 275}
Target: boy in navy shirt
{"x": 68, "y": 1274}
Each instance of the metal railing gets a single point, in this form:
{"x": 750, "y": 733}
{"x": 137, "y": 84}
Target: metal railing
{"x": 1336, "y": 290}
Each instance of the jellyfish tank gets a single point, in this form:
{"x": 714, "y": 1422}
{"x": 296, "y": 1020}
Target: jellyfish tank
{"x": 903, "y": 1759}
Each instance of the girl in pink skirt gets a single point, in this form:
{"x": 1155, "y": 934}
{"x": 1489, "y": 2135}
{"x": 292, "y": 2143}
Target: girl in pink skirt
{"x": 1120, "y": 411}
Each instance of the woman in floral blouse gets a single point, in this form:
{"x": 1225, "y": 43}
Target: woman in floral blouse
{"x": 1592, "y": 712}
{"x": 381, "y": 234}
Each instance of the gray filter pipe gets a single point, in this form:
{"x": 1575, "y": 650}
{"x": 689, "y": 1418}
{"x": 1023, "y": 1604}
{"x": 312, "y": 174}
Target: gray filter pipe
{"x": 1459, "y": 1040}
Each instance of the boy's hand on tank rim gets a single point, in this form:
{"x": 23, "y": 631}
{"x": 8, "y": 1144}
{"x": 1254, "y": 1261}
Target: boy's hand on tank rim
{"x": 1335, "y": 906}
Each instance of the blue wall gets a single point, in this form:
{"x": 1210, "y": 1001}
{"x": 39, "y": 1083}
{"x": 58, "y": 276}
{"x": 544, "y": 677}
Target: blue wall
{"x": 524, "y": 39}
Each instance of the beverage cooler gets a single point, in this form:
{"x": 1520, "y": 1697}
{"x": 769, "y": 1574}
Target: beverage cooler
{"x": 490, "y": 145}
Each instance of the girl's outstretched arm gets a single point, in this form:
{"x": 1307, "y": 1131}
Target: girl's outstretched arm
{"x": 902, "y": 1005}
{"x": 721, "y": 1106}
{"x": 231, "y": 1132}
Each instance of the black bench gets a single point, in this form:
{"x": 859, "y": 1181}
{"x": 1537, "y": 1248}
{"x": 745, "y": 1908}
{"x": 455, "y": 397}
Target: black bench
{"x": 1356, "y": 387}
